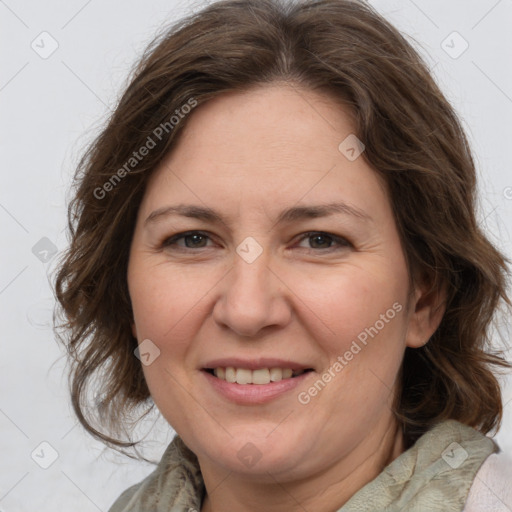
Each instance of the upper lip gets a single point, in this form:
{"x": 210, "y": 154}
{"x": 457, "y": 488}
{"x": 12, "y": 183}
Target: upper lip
{"x": 254, "y": 364}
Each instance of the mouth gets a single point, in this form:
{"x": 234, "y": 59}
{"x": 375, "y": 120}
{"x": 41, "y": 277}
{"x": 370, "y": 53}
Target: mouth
{"x": 257, "y": 385}
{"x": 259, "y": 376}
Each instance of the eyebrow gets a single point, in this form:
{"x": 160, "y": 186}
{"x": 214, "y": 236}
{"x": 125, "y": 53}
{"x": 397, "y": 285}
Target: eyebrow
{"x": 286, "y": 216}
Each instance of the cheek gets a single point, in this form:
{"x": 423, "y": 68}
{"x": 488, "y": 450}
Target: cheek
{"x": 166, "y": 310}
{"x": 164, "y": 300}
{"x": 170, "y": 306}
{"x": 361, "y": 333}
{"x": 352, "y": 302}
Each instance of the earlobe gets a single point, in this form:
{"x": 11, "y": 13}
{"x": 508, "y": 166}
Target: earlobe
{"x": 426, "y": 312}
{"x": 134, "y": 330}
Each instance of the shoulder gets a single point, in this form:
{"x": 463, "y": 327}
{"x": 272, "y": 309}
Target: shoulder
{"x": 132, "y": 496}
{"x": 175, "y": 484}
{"x": 492, "y": 486}
{"x": 122, "y": 501}
{"x": 135, "y": 495}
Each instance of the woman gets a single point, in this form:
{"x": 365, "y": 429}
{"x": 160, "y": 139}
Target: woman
{"x": 274, "y": 241}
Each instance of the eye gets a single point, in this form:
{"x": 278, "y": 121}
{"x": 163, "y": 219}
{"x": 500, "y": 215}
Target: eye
{"x": 192, "y": 239}
{"x": 319, "y": 241}
{"x": 319, "y": 238}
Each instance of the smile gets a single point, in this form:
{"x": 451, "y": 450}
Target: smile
{"x": 255, "y": 386}
{"x": 259, "y": 376}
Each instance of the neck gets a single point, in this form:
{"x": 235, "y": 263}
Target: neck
{"x": 325, "y": 491}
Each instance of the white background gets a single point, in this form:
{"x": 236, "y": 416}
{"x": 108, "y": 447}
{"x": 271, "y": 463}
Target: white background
{"x": 50, "y": 109}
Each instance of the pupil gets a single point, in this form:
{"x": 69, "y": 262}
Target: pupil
{"x": 195, "y": 238}
{"x": 319, "y": 237}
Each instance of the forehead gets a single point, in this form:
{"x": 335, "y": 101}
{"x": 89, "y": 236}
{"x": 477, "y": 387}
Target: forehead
{"x": 267, "y": 148}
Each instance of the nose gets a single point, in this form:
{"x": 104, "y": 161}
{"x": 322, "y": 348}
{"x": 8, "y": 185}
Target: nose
{"x": 252, "y": 297}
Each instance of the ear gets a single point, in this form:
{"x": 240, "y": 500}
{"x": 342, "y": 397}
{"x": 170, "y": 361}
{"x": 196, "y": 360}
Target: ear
{"x": 134, "y": 330}
{"x": 426, "y": 311}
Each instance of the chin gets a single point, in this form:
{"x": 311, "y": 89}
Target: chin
{"x": 262, "y": 457}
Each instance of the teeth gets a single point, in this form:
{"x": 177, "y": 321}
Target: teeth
{"x": 260, "y": 376}
{"x": 276, "y": 374}
{"x": 230, "y": 374}
{"x": 243, "y": 376}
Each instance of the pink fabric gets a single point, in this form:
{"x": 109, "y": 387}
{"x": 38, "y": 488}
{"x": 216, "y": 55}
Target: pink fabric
{"x": 491, "y": 490}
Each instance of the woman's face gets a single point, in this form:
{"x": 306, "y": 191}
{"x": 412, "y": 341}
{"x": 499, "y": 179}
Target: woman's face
{"x": 271, "y": 285}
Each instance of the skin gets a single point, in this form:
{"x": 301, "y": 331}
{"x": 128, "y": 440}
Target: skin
{"x": 251, "y": 155}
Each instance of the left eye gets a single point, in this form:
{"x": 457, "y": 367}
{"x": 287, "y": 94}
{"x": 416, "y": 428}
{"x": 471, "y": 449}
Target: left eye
{"x": 322, "y": 238}
{"x": 198, "y": 240}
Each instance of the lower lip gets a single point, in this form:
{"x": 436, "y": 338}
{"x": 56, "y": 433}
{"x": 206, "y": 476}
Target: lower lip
{"x": 253, "y": 393}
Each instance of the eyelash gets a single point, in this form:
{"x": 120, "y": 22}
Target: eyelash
{"x": 342, "y": 242}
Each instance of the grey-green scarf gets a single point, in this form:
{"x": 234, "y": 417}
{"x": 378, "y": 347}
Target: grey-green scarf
{"x": 434, "y": 475}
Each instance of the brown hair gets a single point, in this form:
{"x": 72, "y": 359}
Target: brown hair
{"x": 412, "y": 137}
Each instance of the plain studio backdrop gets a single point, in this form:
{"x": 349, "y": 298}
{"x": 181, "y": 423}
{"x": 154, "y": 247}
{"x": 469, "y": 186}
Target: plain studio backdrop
{"x": 63, "y": 65}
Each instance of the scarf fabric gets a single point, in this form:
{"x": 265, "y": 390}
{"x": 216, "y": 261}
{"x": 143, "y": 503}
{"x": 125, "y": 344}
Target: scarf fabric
{"x": 433, "y": 475}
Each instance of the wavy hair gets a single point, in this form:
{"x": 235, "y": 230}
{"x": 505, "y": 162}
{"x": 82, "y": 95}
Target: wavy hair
{"x": 413, "y": 138}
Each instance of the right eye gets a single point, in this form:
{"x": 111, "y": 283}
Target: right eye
{"x": 193, "y": 240}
